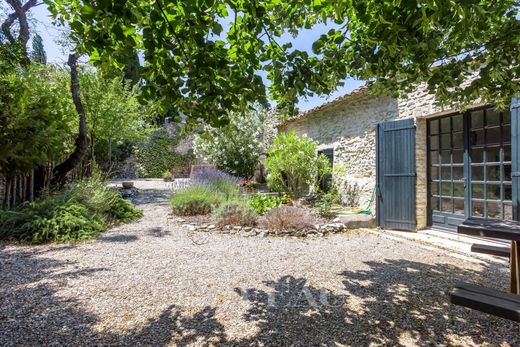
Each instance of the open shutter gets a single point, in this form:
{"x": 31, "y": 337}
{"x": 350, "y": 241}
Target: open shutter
{"x": 396, "y": 175}
{"x": 515, "y": 156}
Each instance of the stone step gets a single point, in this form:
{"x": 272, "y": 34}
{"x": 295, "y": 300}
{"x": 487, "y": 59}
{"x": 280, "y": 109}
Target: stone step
{"x": 355, "y": 221}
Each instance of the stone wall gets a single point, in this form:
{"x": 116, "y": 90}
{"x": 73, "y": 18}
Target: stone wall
{"x": 349, "y": 127}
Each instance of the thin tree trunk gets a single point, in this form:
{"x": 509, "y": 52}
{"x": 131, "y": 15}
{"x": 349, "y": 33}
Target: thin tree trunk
{"x": 31, "y": 186}
{"x": 7, "y": 198}
{"x": 109, "y": 152}
{"x": 13, "y": 194}
{"x": 59, "y": 175}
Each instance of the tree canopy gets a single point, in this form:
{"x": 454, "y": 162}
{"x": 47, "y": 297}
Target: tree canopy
{"x": 38, "y": 51}
{"x": 204, "y": 57}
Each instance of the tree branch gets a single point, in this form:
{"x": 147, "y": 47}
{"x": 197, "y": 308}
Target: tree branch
{"x": 20, "y": 14}
{"x": 158, "y": 2}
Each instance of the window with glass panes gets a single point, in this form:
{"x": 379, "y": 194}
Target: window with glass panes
{"x": 490, "y": 163}
{"x": 470, "y": 166}
{"x": 446, "y": 144}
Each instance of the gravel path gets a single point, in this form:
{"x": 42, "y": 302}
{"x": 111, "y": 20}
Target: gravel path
{"x": 154, "y": 283}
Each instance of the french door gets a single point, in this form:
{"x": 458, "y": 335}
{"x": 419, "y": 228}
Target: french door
{"x": 469, "y": 167}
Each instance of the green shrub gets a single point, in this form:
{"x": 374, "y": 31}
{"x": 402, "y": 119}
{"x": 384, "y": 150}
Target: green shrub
{"x": 77, "y": 213}
{"x": 262, "y": 203}
{"x": 229, "y": 189}
{"x": 157, "y": 155}
{"x": 326, "y": 200}
{"x": 235, "y": 147}
{"x": 293, "y": 164}
{"x": 195, "y": 200}
{"x": 123, "y": 211}
{"x": 235, "y": 213}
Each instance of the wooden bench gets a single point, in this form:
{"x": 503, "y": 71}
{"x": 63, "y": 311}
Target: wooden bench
{"x": 487, "y": 300}
{"x": 491, "y": 250}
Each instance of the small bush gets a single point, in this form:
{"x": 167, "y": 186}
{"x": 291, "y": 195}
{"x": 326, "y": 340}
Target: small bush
{"x": 195, "y": 200}
{"x": 262, "y": 203}
{"x": 288, "y": 218}
{"x": 208, "y": 174}
{"x": 229, "y": 189}
{"x": 123, "y": 211}
{"x": 236, "y": 213}
{"x": 77, "y": 213}
{"x": 325, "y": 202}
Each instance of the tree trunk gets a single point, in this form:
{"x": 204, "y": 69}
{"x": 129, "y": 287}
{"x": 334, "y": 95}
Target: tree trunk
{"x": 20, "y": 14}
{"x": 59, "y": 175}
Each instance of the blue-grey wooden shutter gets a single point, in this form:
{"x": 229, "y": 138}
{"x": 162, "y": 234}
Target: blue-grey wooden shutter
{"x": 396, "y": 176}
{"x": 515, "y": 156}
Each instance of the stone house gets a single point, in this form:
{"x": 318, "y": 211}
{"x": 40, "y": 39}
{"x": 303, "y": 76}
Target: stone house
{"x": 424, "y": 165}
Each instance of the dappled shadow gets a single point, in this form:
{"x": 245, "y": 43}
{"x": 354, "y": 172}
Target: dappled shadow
{"x": 394, "y": 303}
{"x": 118, "y": 238}
{"x": 151, "y": 196}
{"x": 390, "y": 302}
{"x": 158, "y": 232}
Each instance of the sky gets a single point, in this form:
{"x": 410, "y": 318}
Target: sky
{"x": 56, "y": 54}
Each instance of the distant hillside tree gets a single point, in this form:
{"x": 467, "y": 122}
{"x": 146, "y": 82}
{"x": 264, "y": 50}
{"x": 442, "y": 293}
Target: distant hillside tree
{"x": 38, "y": 51}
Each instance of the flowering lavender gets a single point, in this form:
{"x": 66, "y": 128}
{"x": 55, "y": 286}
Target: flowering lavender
{"x": 208, "y": 174}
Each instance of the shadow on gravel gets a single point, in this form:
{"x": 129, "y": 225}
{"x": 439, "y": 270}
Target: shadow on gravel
{"x": 151, "y": 196}
{"x": 118, "y": 238}
{"x": 393, "y": 302}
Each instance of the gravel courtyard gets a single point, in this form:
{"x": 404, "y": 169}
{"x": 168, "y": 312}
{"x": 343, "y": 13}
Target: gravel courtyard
{"x": 153, "y": 282}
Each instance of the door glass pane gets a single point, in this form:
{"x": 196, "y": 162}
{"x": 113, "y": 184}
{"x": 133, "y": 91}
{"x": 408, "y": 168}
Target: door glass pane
{"x": 434, "y": 142}
{"x": 492, "y": 117}
{"x": 434, "y": 173}
{"x": 493, "y": 173}
{"x": 458, "y": 206}
{"x": 507, "y": 133}
{"x": 507, "y": 193}
{"x": 458, "y": 156}
{"x": 477, "y": 173}
{"x": 493, "y": 154}
{"x": 446, "y": 205}
{"x": 507, "y": 172}
{"x": 507, "y": 153}
{"x": 493, "y": 135}
{"x": 446, "y": 173}
{"x": 493, "y": 191}
{"x": 458, "y": 189}
{"x": 493, "y": 210}
{"x": 477, "y": 155}
{"x": 458, "y": 173}
{"x": 458, "y": 140}
{"x": 434, "y": 127}
{"x": 435, "y": 203}
{"x": 446, "y": 157}
{"x": 434, "y": 157}
{"x": 477, "y": 137}
{"x": 446, "y": 188}
{"x": 434, "y": 188}
{"x": 457, "y": 123}
{"x": 445, "y": 125}
{"x": 477, "y": 191}
{"x": 446, "y": 141}
{"x": 477, "y": 209}
{"x": 477, "y": 119}
{"x": 506, "y": 117}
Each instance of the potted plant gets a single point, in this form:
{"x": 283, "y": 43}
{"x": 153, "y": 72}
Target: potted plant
{"x": 248, "y": 186}
{"x": 167, "y": 176}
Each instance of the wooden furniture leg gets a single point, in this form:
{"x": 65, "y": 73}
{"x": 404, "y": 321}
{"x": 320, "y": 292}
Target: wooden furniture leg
{"x": 515, "y": 268}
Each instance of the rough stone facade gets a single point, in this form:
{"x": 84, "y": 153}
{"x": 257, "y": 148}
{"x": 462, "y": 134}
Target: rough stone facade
{"x": 348, "y": 125}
